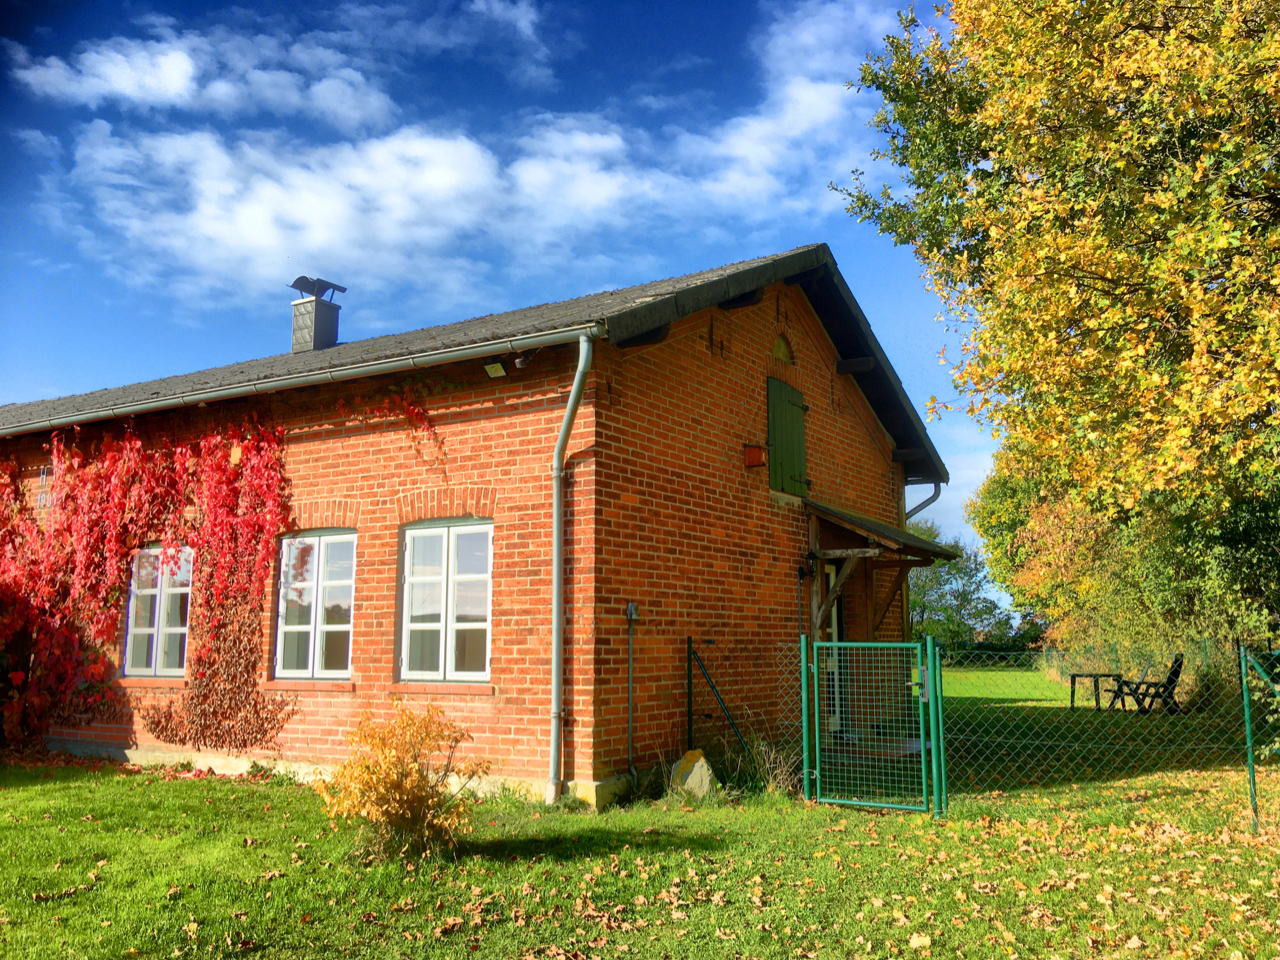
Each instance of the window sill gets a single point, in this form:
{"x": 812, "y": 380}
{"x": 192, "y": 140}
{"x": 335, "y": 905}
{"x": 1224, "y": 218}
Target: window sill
{"x": 143, "y": 683}
{"x": 437, "y": 688}
{"x": 311, "y": 686}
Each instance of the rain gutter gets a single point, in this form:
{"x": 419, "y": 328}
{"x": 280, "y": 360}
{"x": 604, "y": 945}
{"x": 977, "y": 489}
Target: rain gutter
{"x": 371, "y": 368}
{"x": 937, "y": 492}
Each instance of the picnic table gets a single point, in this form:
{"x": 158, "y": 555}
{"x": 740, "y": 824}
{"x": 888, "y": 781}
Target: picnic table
{"x": 1097, "y": 679}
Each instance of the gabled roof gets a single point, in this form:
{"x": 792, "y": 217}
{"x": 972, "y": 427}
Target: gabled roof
{"x": 895, "y": 538}
{"x": 621, "y": 315}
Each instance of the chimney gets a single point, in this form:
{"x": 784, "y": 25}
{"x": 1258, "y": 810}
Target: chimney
{"x": 315, "y": 319}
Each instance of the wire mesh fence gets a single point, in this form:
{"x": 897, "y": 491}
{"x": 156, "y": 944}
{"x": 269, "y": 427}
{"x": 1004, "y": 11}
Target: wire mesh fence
{"x": 869, "y": 725}
{"x": 1012, "y": 720}
{"x": 758, "y": 693}
{"x": 1033, "y": 718}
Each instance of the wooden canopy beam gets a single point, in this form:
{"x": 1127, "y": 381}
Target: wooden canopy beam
{"x": 849, "y": 553}
{"x": 892, "y": 563}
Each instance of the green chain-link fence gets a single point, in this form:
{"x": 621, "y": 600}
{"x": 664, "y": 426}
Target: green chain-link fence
{"x": 1013, "y": 720}
{"x": 1023, "y": 719}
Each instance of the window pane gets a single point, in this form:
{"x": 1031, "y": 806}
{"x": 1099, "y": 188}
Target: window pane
{"x": 297, "y": 646}
{"x": 339, "y": 561}
{"x": 145, "y": 571}
{"x": 140, "y": 656}
{"x": 175, "y": 646}
{"x": 144, "y": 611}
{"x": 469, "y": 650}
{"x": 471, "y": 601}
{"x": 424, "y": 651}
{"x": 337, "y": 605}
{"x": 424, "y": 602}
{"x": 473, "y": 553}
{"x": 426, "y": 555}
{"x": 297, "y": 607}
{"x": 336, "y": 645}
{"x": 180, "y": 576}
{"x": 176, "y": 610}
{"x": 299, "y": 565}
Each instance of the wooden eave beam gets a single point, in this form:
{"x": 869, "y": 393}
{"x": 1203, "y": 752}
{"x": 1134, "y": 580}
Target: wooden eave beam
{"x": 849, "y": 553}
{"x": 902, "y": 562}
{"x": 855, "y": 365}
{"x": 746, "y": 300}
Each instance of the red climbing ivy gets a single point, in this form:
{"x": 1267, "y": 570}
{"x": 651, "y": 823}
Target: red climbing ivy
{"x": 66, "y": 561}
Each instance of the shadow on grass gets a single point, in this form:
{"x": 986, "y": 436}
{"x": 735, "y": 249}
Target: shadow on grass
{"x": 992, "y": 744}
{"x": 587, "y": 841}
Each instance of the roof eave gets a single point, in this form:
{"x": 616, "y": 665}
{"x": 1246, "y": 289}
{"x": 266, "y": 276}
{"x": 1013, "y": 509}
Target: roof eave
{"x": 374, "y": 368}
{"x": 898, "y": 540}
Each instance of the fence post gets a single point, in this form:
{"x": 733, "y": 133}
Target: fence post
{"x": 688, "y": 685}
{"x": 942, "y": 734}
{"x": 1248, "y": 734}
{"x": 804, "y": 717}
{"x": 935, "y": 723}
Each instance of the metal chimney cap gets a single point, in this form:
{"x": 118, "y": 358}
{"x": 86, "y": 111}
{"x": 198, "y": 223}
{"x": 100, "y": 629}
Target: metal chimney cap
{"x": 316, "y": 287}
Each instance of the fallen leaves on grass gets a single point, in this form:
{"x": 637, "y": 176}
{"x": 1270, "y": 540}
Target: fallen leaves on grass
{"x": 450, "y": 925}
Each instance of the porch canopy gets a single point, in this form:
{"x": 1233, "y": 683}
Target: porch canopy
{"x": 860, "y": 548}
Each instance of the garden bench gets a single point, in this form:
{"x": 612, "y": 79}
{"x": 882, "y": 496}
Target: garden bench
{"x": 1145, "y": 692}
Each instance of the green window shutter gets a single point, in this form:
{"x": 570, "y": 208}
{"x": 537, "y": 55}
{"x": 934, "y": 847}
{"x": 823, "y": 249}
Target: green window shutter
{"x": 786, "y": 439}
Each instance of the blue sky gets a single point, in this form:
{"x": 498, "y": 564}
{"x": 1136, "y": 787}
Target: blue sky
{"x": 169, "y": 167}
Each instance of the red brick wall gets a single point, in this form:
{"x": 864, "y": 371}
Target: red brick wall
{"x": 696, "y": 538}
{"x": 661, "y": 510}
{"x": 492, "y": 460}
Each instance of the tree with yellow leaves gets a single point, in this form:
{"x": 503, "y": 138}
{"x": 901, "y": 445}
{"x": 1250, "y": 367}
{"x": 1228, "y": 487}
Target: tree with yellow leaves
{"x": 1094, "y": 190}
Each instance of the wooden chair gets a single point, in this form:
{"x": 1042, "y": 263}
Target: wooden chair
{"x": 1118, "y": 693}
{"x": 1145, "y": 693}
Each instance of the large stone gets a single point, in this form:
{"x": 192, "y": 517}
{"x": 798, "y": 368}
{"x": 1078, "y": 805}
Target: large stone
{"x": 693, "y": 774}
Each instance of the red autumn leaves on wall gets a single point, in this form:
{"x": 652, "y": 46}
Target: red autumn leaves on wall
{"x": 65, "y": 565}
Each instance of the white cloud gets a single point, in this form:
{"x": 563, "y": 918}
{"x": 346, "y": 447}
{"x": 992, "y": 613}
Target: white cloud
{"x": 217, "y": 72}
{"x": 521, "y": 15}
{"x": 38, "y": 143}
{"x": 505, "y": 32}
{"x": 207, "y": 209}
{"x": 234, "y": 214}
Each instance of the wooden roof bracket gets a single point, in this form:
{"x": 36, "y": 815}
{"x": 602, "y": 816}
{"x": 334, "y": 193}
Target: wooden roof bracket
{"x": 883, "y": 609}
{"x": 852, "y": 559}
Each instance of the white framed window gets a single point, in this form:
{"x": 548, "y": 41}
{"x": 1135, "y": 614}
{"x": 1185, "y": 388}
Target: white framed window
{"x": 159, "y": 601}
{"x": 317, "y": 592}
{"x": 447, "y": 593}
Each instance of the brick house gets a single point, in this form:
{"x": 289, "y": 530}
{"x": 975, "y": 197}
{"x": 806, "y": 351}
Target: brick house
{"x": 698, "y": 438}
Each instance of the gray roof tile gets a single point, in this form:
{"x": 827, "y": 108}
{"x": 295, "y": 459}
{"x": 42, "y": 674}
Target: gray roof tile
{"x": 624, "y": 314}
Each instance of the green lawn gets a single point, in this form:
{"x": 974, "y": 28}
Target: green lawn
{"x": 1010, "y": 729}
{"x": 1020, "y": 686}
{"x": 111, "y": 864}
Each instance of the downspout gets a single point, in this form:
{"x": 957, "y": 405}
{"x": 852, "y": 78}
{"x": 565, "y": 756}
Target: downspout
{"x": 633, "y": 611}
{"x": 937, "y": 492}
{"x": 557, "y": 565}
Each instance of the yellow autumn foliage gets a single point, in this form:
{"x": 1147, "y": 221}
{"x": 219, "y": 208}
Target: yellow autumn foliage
{"x": 1094, "y": 190}
{"x": 405, "y": 780}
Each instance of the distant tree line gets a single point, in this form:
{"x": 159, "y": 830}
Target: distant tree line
{"x": 958, "y": 604}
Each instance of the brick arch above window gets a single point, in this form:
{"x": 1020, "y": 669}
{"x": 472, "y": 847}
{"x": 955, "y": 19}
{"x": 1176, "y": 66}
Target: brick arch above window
{"x": 788, "y": 373}
{"x": 438, "y": 503}
{"x": 322, "y": 513}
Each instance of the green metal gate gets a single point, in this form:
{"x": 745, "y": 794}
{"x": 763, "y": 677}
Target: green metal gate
{"x": 872, "y": 718}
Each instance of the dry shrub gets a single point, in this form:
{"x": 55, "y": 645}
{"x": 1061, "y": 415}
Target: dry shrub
{"x": 778, "y": 767}
{"x": 405, "y": 780}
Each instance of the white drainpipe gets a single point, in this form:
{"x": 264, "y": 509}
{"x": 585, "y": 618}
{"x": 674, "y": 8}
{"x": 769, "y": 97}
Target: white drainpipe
{"x": 557, "y": 566}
